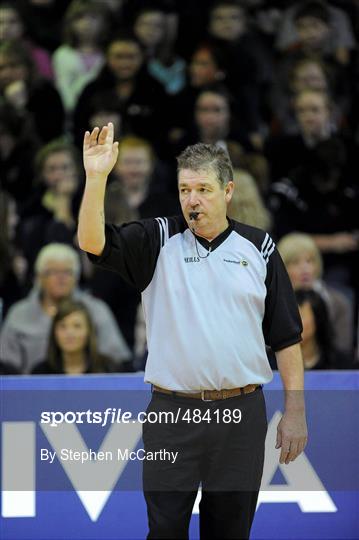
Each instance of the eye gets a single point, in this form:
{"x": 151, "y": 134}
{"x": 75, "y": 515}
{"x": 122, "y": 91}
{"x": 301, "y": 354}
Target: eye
{"x": 183, "y": 190}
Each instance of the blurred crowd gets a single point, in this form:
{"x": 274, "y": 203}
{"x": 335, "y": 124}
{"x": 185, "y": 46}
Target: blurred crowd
{"x": 273, "y": 82}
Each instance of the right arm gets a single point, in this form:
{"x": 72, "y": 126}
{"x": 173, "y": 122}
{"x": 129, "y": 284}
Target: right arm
{"x": 100, "y": 155}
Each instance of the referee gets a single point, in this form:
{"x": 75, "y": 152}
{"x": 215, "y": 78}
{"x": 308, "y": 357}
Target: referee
{"x": 214, "y": 294}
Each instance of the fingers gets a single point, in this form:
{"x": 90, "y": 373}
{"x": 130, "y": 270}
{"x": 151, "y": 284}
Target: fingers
{"x": 102, "y": 138}
{"x": 99, "y": 137}
{"x": 284, "y": 454}
{"x": 93, "y": 136}
{"x": 110, "y": 133}
{"x": 291, "y": 450}
{"x": 86, "y": 140}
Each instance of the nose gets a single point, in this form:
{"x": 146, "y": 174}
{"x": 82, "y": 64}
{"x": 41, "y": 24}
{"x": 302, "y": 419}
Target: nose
{"x": 193, "y": 199}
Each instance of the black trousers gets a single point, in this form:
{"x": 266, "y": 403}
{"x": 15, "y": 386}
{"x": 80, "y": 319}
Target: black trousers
{"x": 215, "y": 450}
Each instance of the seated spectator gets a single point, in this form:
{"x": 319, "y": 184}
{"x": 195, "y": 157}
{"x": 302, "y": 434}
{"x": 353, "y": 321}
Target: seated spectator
{"x": 44, "y": 18}
{"x": 22, "y": 88}
{"x": 125, "y": 83}
{"x": 247, "y": 62}
{"x": 50, "y": 215}
{"x": 247, "y": 205}
{"x": 321, "y": 199}
{"x": 318, "y": 349}
{"x": 313, "y": 111}
{"x": 137, "y": 185}
{"x": 156, "y": 30}
{"x": 12, "y": 28}
{"x": 25, "y": 332}
{"x": 297, "y": 27}
{"x": 304, "y": 265}
{"x": 18, "y": 145}
{"x": 214, "y": 123}
{"x": 80, "y": 58}
{"x": 72, "y": 345}
{"x": 149, "y": 28}
{"x": 13, "y": 265}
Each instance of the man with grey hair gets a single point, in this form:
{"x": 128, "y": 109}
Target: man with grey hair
{"x": 214, "y": 293}
{"x": 24, "y": 335}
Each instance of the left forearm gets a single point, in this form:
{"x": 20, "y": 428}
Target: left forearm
{"x": 290, "y": 366}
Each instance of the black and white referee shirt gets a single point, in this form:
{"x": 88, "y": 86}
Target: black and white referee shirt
{"x": 208, "y": 319}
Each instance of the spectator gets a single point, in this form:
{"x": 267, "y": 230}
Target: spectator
{"x": 22, "y": 88}
{"x": 318, "y": 349}
{"x": 72, "y": 345}
{"x": 18, "y": 145}
{"x": 12, "y": 28}
{"x": 304, "y": 265}
{"x": 246, "y": 204}
{"x": 80, "y": 58}
{"x": 215, "y": 124}
{"x": 50, "y": 216}
{"x": 150, "y": 28}
{"x": 125, "y": 83}
{"x": 246, "y": 62}
{"x": 156, "y": 30}
{"x": 339, "y": 38}
{"x": 44, "y": 18}
{"x": 135, "y": 184}
{"x": 25, "y": 331}
{"x": 13, "y": 266}
{"x": 313, "y": 114}
{"x": 320, "y": 199}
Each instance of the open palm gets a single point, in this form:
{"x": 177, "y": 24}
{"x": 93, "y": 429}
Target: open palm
{"x": 99, "y": 151}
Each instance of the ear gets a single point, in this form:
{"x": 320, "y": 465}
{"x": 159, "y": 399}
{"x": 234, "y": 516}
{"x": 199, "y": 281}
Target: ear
{"x": 228, "y": 191}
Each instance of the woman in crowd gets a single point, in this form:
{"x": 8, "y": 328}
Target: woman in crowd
{"x": 13, "y": 266}
{"x": 79, "y": 59}
{"x": 214, "y": 123}
{"x": 125, "y": 83}
{"x": 50, "y": 215}
{"x": 156, "y": 30}
{"x": 318, "y": 347}
{"x": 247, "y": 205}
{"x": 72, "y": 347}
{"x": 12, "y": 28}
{"x": 304, "y": 264}
{"x": 23, "y": 88}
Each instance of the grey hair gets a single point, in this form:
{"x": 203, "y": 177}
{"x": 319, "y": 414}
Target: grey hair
{"x": 206, "y": 157}
{"x": 57, "y": 252}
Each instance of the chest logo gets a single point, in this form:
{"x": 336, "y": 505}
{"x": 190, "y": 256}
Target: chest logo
{"x": 243, "y": 262}
{"x": 191, "y": 259}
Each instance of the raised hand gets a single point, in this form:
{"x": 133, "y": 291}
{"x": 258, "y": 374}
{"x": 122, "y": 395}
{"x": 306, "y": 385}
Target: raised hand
{"x": 99, "y": 151}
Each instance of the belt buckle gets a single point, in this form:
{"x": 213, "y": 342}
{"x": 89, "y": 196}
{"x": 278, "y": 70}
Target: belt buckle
{"x": 203, "y": 398}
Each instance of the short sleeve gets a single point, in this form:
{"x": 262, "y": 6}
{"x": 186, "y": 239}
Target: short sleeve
{"x": 131, "y": 250}
{"x": 282, "y": 325}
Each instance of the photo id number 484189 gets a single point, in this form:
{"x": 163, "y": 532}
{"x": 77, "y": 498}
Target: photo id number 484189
{"x": 218, "y": 416}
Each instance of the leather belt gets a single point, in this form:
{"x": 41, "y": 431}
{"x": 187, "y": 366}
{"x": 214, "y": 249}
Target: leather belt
{"x": 210, "y": 395}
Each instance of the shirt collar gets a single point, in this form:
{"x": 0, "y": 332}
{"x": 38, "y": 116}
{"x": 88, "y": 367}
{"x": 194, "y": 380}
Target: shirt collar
{"x": 213, "y": 244}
